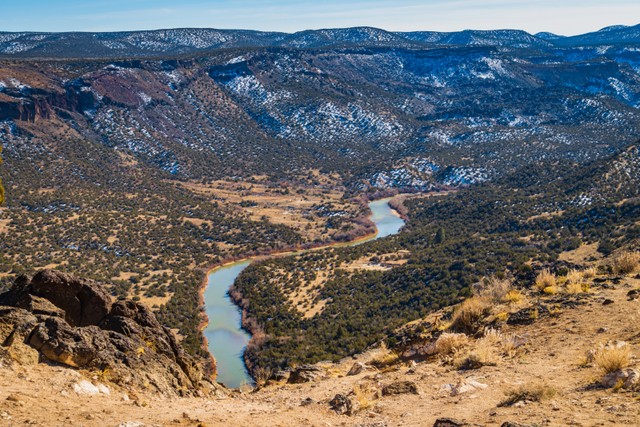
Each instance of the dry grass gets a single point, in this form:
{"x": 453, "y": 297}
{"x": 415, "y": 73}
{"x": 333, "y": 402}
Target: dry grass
{"x": 494, "y": 288}
{"x": 383, "y": 357}
{"x": 612, "y": 358}
{"x": 514, "y": 297}
{"x": 492, "y": 336}
{"x": 589, "y": 273}
{"x": 449, "y": 343}
{"x": 626, "y": 262}
{"x": 468, "y": 315}
{"x": 574, "y": 276}
{"x": 508, "y": 343}
{"x": 546, "y": 279}
{"x": 482, "y": 353}
{"x": 384, "y": 361}
{"x": 365, "y": 394}
{"x": 529, "y": 393}
{"x": 574, "y": 288}
{"x": 575, "y": 280}
{"x": 488, "y": 350}
{"x": 261, "y": 375}
{"x": 511, "y": 343}
{"x": 577, "y": 288}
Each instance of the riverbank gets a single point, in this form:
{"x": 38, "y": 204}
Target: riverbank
{"x": 236, "y": 298}
{"x": 366, "y": 223}
{"x": 397, "y": 202}
{"x": 386, "y": 222}
{"x": 228, "y": 262}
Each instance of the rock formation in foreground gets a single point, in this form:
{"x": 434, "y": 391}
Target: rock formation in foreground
{"x": 58, "y": 318}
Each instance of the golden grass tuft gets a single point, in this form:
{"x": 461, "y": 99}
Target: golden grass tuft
{"x": 612, "y": 358}
{"x": 589, "y": 273}
{"x": 383, "y": 357}
{"x": 492, "y": 336}
{"x": 365, "y": 394}
{"x": 626, "y": 262}
{"x": 514, "y": 297}
{"x": 448, "y": 343}
{"x": 493, "y": 288}
{"x": 546, "y": 279}
{"x": 510, "y": 344}
{"x": 575, "y": 281}
{"x": 482, "y": 353}
{"x": 105, "y": 375}
{"x": 578, "y": 288}
{"x": 336, "y": 371}
{"x": 469, "y": 313}
{"x": 503, "y": 316}
{"x": 465, "y": 353}
{"x": 574, "y": 276}
{"x": 574, "y": 288}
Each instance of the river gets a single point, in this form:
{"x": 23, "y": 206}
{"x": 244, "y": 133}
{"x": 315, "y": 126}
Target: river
{"x": 225, "y": 336}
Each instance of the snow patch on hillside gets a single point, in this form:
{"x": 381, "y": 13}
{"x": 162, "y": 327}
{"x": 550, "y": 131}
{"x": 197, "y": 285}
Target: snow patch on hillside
{"x": 465, "y": 176}
{"x": 250, "y": 87}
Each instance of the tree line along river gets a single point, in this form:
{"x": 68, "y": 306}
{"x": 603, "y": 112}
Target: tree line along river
{"x": 225, "y": 336}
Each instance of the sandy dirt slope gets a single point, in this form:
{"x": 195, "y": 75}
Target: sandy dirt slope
{"x": 44, "y": 395}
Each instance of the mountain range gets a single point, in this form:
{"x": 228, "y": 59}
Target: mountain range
{"x": 410, "y": 111}
{"x": 196, "y": 40}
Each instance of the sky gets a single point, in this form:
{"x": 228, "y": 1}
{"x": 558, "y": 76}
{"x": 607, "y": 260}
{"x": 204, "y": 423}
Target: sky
{"x": 561, "y": 17}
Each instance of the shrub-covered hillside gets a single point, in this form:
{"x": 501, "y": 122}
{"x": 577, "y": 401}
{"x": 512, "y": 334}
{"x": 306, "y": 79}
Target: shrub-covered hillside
{"x": 510, "y": 227}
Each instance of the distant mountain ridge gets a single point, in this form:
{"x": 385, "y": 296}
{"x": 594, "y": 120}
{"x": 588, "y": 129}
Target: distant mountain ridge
{"x": 614, "y": 35}
{"x": 192, "y": 40}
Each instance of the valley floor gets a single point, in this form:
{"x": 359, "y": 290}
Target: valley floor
{"x": 554, "y": 355}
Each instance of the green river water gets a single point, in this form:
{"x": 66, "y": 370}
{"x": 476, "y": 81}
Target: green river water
{"x": 226, "y": 338}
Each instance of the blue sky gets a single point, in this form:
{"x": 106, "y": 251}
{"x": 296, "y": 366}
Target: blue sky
{"x": 562, "y": 17}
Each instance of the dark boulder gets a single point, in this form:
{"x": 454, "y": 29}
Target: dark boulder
{"x": 400, "y": 387}
{"x": 122, "y": 325}
{"x": 62, "y": 343}
{"x": 84, "y": 301}
{"x": 450, "y": 422}
{"x": 305, "y": 374}
{"x": 512, "y": 424}
{"x": 526, "y": 316}
{"x": 342, "y": 405}
{"x": 140, "y": 313}
{"x": 626, "y": 378}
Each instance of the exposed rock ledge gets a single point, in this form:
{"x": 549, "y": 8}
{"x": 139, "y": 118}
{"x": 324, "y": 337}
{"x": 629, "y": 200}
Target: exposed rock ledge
{"x": 59, "y": 318}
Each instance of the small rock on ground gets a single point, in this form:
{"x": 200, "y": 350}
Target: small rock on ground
{"x": 400, "y": 387}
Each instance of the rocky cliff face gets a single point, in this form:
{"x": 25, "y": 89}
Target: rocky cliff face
{"x": 58, "y": 318}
